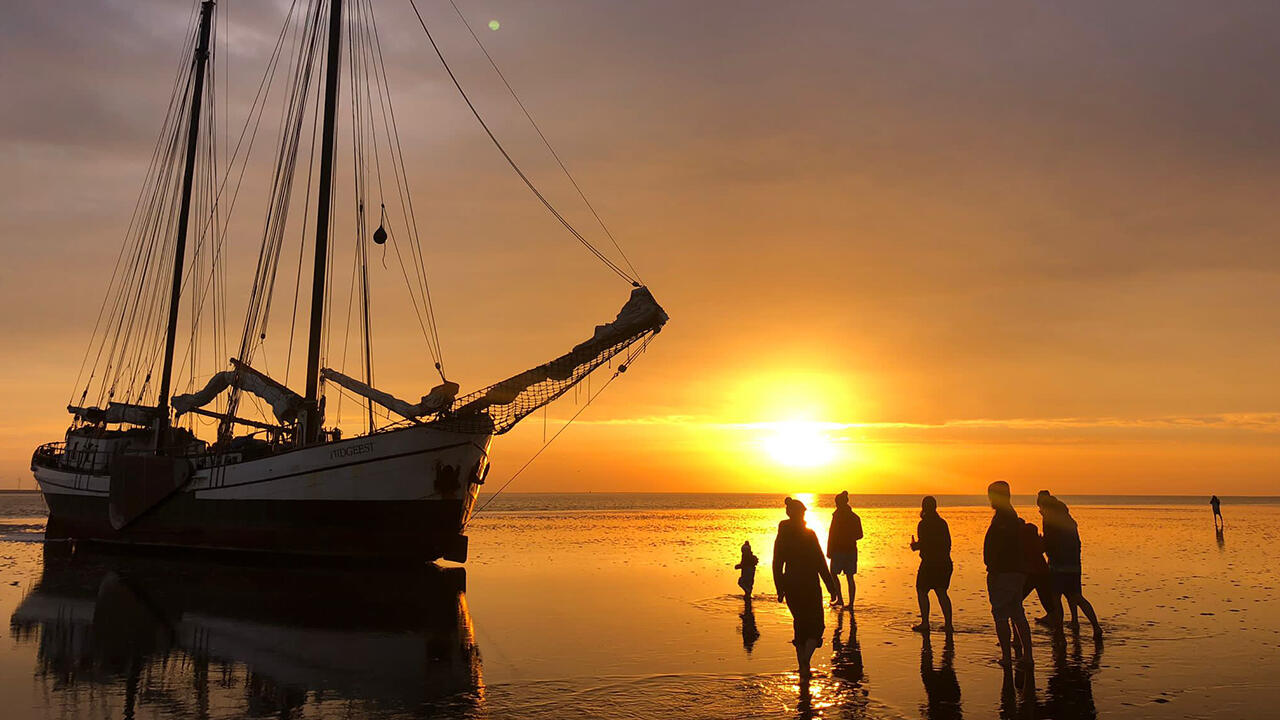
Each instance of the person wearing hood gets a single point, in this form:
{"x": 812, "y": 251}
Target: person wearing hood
{"x": 798, "y": 565}
{"x": 934, "y": 573}
{"x": 842, "y": 543}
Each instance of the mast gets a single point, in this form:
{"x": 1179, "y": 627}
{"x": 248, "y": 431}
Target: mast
{"x": 184, "y": 216}
{"x": 311, "y": 418}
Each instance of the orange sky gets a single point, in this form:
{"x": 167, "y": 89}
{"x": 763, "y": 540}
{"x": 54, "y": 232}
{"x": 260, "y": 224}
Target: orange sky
{"x": 1021, "y": 241}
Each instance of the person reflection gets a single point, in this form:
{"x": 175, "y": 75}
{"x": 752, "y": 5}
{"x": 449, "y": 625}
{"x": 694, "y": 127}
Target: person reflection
{"x": 1222, "y": 541}
{"x": 1069, "y": 694}
{"x": 749, "y": 632}
{"x": 847, "y": 670}
{"x": 941, "y": 688}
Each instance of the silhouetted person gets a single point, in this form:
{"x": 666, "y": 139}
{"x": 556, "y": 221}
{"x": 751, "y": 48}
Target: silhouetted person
{"x": 750, "y": 634}
{"x": 842, "y": 543}
{"x": 747, "y": 578}
{"x": 941, "y": 688}
{"x": 798, "y": 565}
{"x": 1039, "y": 578}
{"x": 1002, "y": 554}
{"x": 1218, "y": 522}
{"x": 1062, "y": 545}
{"x": 935, "y": 568}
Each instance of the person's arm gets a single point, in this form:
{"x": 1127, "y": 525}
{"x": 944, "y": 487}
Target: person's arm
{"x": 833, "y": 588}
{"x": 831, "y": 532}
{"x": 915, "y": 544}
{"x": 778, "y": 561}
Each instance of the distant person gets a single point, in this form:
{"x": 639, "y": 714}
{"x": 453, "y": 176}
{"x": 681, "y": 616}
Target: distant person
{"x": 935, "y": 568}
{"x": 798, "y": 565}
{"x": 1218, "y": 522}
{"x": 1039, "y": 578}
{"x": 1062, "y": 545}
{"x": 842, "y": 544}
{"x": 747, "y": 578}
{"x": 1002, "y": 554}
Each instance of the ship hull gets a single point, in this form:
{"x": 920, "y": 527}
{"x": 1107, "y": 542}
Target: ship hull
{"x": 400, "y": 495}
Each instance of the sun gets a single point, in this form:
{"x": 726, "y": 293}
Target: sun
{"x": 800, "y": 443}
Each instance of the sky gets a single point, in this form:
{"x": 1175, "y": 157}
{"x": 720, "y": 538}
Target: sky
{"x": 905, "y": 247}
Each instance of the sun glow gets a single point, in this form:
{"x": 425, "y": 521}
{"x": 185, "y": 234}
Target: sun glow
{"x": 800, "y": 443}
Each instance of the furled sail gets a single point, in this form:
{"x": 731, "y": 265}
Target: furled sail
{"x": 438, "y": 400}
{"x": 285, "y": 403}
{"x": 116, "y": 413}
{"x": 499, "y": 407}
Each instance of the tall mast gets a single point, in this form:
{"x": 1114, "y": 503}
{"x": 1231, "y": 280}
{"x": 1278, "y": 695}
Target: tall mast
{"x": 312, "y": 419}
{"x": 184, "y": 216}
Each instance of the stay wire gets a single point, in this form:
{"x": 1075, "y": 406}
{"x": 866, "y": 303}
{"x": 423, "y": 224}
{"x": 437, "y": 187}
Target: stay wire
{"x": 547, "y": 143}
{"x": 511, "y": 161}
{"x": 622, "y": 367}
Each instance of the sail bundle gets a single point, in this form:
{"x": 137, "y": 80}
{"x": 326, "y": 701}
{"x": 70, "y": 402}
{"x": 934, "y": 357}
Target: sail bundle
{"x": 497, "y": 408}
{"x": 438, "y": 400}
{"x": 285, "y": 403}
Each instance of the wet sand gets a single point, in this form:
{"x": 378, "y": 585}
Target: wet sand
{"x": 628, "y": 607}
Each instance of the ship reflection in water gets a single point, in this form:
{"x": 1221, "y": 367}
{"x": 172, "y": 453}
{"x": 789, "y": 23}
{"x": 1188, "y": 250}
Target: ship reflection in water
{"x": 126, "y": 636}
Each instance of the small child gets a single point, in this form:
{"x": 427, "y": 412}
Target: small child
{"x": 747, "y": 580}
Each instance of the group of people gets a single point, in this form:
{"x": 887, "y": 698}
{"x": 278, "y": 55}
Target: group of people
{"x": 1019, "y": 558}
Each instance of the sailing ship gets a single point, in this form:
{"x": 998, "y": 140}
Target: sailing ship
{"x": 143, "y": 465}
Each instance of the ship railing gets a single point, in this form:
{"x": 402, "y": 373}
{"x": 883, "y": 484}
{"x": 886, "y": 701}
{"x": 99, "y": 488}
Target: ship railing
{"x": 49, "y": 454}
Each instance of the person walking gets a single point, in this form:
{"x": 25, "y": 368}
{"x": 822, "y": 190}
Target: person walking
{"x": 935, "y": 568}
{"x": 1039, "y": 578}
{"x": 1218, "y": 522}
{"x": 1002, "y": 554}
{"x": 1062, "y": 545}
{"x": 842, "y": 543}
{"x": 798, "y": 565}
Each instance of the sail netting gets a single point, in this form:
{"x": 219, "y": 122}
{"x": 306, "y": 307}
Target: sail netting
{"x": 497, "y": 408}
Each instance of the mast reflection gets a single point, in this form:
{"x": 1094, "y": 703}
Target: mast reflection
{"x": 116, "y": 634}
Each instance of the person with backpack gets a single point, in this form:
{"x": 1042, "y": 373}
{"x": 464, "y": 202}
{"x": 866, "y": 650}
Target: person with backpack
{"x": 1006, "y": 575}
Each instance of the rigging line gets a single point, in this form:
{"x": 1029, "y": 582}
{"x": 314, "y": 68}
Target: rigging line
{"x": 511, "y": 161}
{"x": 544, "y": 139}
{"x": 125, "y": 246}
{"x": 401, "y": 173}
{"x": 547, "y": 443}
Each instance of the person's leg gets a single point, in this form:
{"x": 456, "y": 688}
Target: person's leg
{"x": 804, "y": 654}
{"x": 1050, "y": 601}
{"x": 1087, "y": 607}
{"x": 944, "y": 602}
{"x": 1023, "y": 632}
{"x": 1003, "y": 635}
{"x": 922, "y": 599}
{"x": 853, "y": 588}
{"x": 835, "y": 574}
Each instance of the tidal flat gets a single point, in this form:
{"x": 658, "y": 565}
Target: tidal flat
{"x": 626, "y": 606}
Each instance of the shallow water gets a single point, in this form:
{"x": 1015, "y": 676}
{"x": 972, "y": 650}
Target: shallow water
{"x": 621, "y": 606}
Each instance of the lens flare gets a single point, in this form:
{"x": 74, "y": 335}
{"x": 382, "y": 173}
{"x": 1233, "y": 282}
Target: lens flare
{"x": 494, "y": 25}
